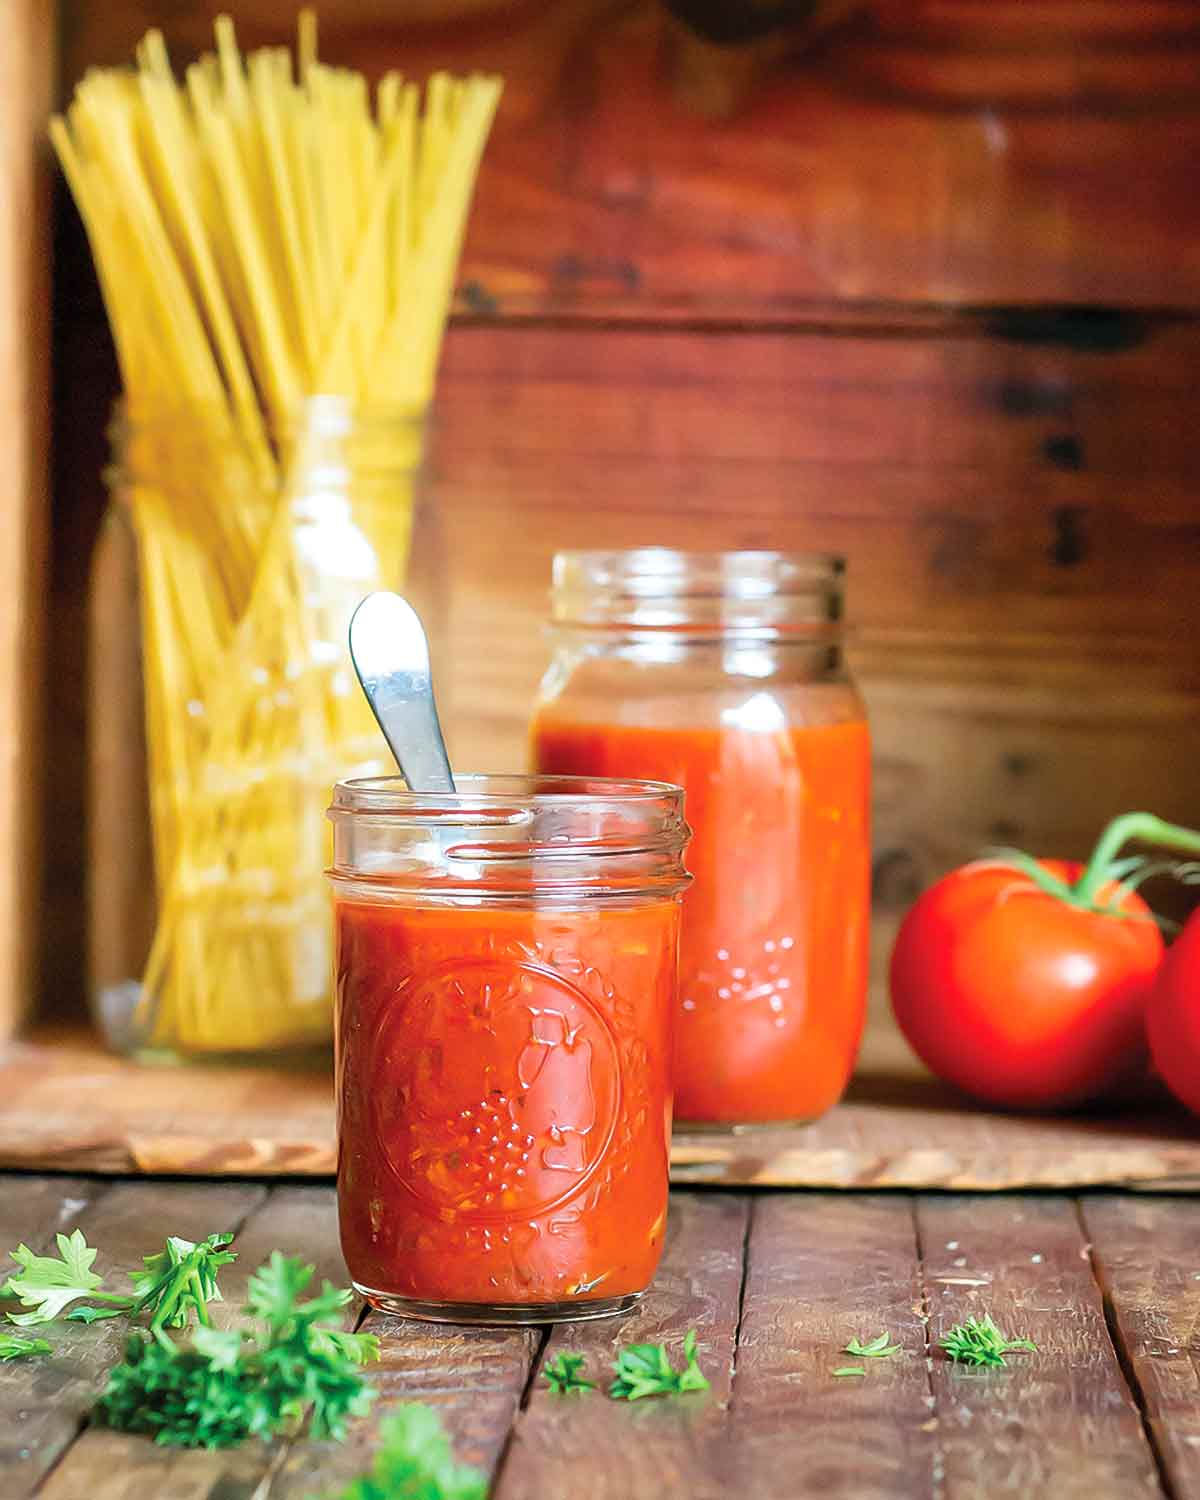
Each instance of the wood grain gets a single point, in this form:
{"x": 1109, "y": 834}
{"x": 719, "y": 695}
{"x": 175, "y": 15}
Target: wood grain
{"x": 32, "y": 1211}
{"x": 1000, "y": 548}
{"x": 66, "y": 1104}
{"x": 1146, "y": 1261}
{"x": 667, "y": 1447}
{"x": 472, "y": 1377}
{"x": 54, "y": 1394}
{"x": 1058, "y": 1424}
{"x": 820, "y": 1271}
{"x": 776, "y": 1284}
{"x": 926, "y": 154}
{"x": 26, "y": 68}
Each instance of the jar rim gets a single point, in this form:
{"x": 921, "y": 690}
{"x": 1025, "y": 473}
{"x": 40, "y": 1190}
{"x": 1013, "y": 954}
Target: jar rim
{"x": 511, "y": 837}
{"x": 501, "y": 793}
{"x": 692, "y": 568}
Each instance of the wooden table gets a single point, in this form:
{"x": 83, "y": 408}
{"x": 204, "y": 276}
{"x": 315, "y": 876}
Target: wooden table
{"x": 1107, "y": 1284}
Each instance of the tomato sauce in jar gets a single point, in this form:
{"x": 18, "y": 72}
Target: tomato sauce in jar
{"x": 506, "y": 974}
{"x": 743, "y": 702}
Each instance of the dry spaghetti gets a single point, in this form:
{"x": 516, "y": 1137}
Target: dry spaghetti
{"x": 277, "y": 257}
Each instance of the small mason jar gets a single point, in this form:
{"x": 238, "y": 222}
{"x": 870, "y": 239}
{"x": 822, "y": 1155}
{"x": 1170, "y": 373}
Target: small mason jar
{"x": 724, "y": 673}
{"x": 506, "y": 968}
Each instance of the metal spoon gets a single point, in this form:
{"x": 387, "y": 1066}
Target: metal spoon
{"x": 391, "y": 656}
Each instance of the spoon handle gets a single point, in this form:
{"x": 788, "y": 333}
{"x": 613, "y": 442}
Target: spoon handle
{"x": 391, "y": 657}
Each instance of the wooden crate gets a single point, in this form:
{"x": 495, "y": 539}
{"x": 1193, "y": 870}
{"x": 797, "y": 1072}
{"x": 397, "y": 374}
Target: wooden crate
{"x": 26, "y": 63}
{"x": 924, "y": 291}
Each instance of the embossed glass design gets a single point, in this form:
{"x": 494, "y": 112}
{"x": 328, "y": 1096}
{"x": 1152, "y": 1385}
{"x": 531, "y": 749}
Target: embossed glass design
{"x": 506, "y": 967}
{"x": 723, "y": 673}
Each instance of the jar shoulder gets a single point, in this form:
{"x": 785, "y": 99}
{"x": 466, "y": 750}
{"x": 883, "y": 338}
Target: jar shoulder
{"x": 695, "y": 689}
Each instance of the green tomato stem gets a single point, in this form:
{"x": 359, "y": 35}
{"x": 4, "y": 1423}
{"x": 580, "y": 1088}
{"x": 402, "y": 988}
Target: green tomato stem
{"x": 1144, "y": 827}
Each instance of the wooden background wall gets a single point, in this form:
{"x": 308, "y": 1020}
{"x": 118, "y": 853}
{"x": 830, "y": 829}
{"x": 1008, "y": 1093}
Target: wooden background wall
{"x": 916, "y": 282}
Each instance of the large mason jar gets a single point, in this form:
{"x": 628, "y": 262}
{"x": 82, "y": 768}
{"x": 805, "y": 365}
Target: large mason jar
{"x": 223, "y": 706}
{"x": 724, "y": 673}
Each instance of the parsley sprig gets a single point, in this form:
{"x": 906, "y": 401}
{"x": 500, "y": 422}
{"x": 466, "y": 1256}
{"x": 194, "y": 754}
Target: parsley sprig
{"x": 564, "y": 1375}
{"x": 47, "y": 1284}
{"x": 12, "y": 1347}
{"x": 979, "y": 1342}
{"x": 175, "y": 1285}
{"x": 289, "y": 1373}
{"x": 878, "y": 1348}
{"x": 646, "y": 1370}
{"x": 414, "y": 1462}
{"x": 641, "y": 1370}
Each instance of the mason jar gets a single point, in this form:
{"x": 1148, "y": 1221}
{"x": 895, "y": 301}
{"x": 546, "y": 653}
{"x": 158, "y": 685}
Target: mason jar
{"x": 724, "y": 673}
{"x": 506, "y": 969}
{"x": 223, "y": 707}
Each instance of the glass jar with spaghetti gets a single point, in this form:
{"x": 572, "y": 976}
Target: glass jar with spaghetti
{"x": 724, "y": 672}
{"x": 224, "y": 708}
{"x": 506, "y": 968}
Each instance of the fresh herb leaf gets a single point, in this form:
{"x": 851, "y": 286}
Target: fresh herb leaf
{"x": 878, "y": 1348}
{"x": 358, "y": 1348}
{"x": 181, "y": 1279}
{"x": 646, "y": 1370}
{"x": 979, "y": 1342}
{"x": 12, "y": 1347}
{"x": 849, "y": 1370}
{"x": 564, "y": 1377}
{"x": 87, "y": 1314}
{"x": 180, "y": 1398}
{"x": 47, "y": 1283}
{"x": 414, "y": 1462}
{"x": 285, "y": 1375}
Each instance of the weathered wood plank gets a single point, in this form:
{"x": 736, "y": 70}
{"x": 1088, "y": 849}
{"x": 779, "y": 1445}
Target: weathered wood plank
{"x": 69, "y": 1103}
{"x": 655, "y": 1446}
{"x": 473, "y": 1377}
{"x": 635, "y": 171}
{"x": 1147, "y": 1257}
{"x": 822, "y": 1270}
{"x": 55, "y": 1393}
{"x": 1059, "y": 1424}
{"x": 32, "y": 1211}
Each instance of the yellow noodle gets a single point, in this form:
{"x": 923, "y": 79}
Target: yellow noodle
{"x": 261, "y": 240}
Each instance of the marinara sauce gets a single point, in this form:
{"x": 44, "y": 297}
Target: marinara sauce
{"x": 506, "y": 972}
{"x": 723, "y": 674}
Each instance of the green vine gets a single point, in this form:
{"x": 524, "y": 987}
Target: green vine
{"x": 1104, "y": 867}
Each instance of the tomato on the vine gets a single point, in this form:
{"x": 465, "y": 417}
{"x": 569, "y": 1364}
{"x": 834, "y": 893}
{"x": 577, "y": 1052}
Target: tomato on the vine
{"x": 1025, "y": 982}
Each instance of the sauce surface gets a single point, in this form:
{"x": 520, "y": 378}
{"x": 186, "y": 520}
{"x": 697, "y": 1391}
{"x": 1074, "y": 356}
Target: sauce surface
{"x": 773, "y": 953}
{"x": 503, "y": 1099}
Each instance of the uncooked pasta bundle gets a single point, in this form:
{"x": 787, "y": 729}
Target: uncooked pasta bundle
{"x": 277, "y": 254}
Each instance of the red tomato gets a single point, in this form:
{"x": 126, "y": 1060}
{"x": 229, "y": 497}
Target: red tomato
{"x": 1020, "y": 998}
{"x": 1173, "y": 1016}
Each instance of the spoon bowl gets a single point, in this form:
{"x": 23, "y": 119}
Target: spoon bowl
{"x": 390, "y": 652}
